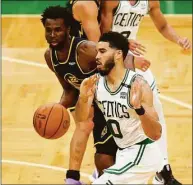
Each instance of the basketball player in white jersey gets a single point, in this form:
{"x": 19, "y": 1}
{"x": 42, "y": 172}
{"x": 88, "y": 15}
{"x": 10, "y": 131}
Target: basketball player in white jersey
{"x": 125, "y": 18}
{"x": 127, "y": 104}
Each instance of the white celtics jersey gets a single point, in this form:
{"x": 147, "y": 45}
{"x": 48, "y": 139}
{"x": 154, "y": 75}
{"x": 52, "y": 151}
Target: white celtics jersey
{"x": 121, "y": 118}
{"x": 127, "y": 18}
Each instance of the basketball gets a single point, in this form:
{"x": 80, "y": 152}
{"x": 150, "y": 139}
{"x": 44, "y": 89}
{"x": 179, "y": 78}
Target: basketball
{"x": 51, "y": 121}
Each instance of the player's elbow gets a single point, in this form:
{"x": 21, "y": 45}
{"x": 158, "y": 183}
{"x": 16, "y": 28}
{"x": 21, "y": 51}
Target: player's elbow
{"x": 162, "y": 28}
{"x": 155, "y": 137}
{"x": 156, "y": 133}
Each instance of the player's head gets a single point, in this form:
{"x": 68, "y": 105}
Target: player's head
{"x": 111, "y": 48}
{"x": 57, "y": 21}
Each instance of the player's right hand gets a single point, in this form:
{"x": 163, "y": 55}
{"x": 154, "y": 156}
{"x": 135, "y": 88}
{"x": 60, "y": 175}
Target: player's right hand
{"x": 141, "y": 63}
{"x": 136, "y": 48}
{"x": 88, "y": 86}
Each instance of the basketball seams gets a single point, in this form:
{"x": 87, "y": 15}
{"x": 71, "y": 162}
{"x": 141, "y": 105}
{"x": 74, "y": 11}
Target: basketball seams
{"x": 48, "y": 119}
{"x": 34, "y": 122}
{"x": 59, "y": 124}
{"x": 52, "y": 120}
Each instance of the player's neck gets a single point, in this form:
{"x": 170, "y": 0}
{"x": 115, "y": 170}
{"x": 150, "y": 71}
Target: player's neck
{"x": 66, "y": 45}
{"x": 117, "y": 74}
{"x": 133, "y": 2}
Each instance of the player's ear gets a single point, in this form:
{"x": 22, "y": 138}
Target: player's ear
{"x": 118, "y": 54}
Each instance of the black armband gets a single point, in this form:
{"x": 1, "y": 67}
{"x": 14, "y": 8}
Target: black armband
{"x": 140, "y": 111}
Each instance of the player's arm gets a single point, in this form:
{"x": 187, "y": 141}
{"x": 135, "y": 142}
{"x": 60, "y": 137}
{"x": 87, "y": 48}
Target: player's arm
{"x": 164, "y": 28}
{"x": 83, "y": 110}
{"x": 86, "y": 12}
{"x": 107, "y": 10}
{"x": 141, "y": 98}
{"x": 70, "y": 94}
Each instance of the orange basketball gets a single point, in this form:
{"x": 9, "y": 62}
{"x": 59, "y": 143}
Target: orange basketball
{"x": 51, "y": 121}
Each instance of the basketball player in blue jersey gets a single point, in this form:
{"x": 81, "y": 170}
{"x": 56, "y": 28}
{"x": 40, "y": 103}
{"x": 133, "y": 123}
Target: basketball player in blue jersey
{"x": 125, "y": 17}
{"x": 72, "y": 60}
{"x": 86, "y": 25}
{"x": 126, "y": 100}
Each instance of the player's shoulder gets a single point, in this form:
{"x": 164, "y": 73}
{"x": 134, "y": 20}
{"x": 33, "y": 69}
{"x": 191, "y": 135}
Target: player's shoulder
{"x": 48, "y": 59}
{"x": 85, "y": 6}
{"x": 47, "y": 54}
{"x": 154, "y": 4}
{"x": 87, "y": 46}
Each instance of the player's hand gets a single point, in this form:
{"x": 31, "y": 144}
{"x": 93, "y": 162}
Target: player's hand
{"x": 185, "y": 43}
{"x": 141, "y": 63}
{"x": 88, "y": 86}
{"x": 136, "y": 93}
{"x": 136, "y": 48}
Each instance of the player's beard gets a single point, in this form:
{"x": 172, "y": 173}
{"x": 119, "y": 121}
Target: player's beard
{"x": 107, "y": 67}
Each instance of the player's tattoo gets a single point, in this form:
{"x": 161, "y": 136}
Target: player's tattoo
{"x": 141, "y": 79}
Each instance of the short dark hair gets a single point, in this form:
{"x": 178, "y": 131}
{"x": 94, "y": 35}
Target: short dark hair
{"x": 55, "y": 12}
{"x": 116, "y": 40}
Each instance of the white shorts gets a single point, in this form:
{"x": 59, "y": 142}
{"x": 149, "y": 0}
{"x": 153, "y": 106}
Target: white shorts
{"x": 134, "y": 165}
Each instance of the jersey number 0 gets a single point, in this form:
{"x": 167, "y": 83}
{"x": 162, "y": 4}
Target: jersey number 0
{"x": 114, "y": 127}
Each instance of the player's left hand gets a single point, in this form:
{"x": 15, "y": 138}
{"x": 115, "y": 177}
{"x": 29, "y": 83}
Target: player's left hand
{"x": 185, "y": 43}
{"x": 136, "y": 93}
{"x": 136, "y": 48}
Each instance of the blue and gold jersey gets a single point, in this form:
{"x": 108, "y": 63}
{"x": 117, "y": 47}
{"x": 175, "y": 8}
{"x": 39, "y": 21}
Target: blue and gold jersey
{"x": 70, "y": 69}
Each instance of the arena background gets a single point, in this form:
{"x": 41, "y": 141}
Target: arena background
{"x": 27, "y": 83}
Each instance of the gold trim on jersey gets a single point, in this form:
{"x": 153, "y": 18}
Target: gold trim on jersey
{"x": 54, "y": 65}
{"x": 73, "y": 2}
{"x": 73, "y": 80}
{"x": 71, "y": 109}
{"x": 77, "y": 59}
{"x": 69, "y": 52}
{"x": 81, "y": 31}
{"x": 103, "y": 142}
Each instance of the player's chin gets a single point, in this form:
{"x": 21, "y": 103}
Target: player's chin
{"x": 102, "y": 72}
{"x": 53, "y": 45}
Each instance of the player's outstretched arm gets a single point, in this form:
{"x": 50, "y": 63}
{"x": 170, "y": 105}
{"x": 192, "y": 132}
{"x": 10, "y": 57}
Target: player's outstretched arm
{"x": 107, "y": 9}
{"x": 141, "y": 97}
{"x": 86, "y": 12}
{"x": 164, "y": 28}
{"x": 70, "y": 94}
